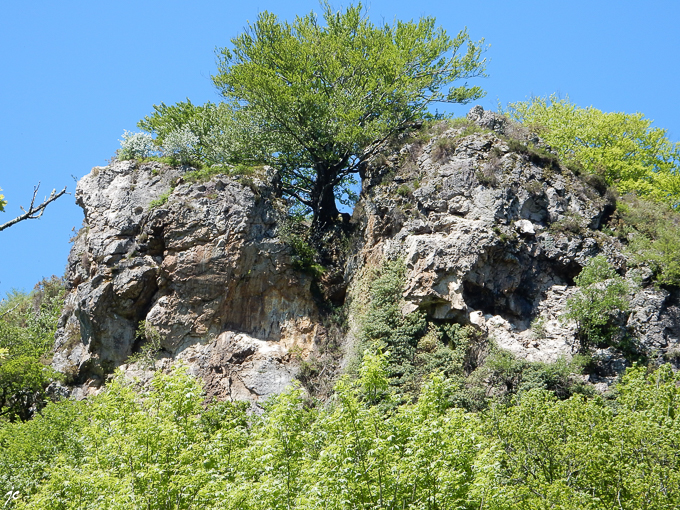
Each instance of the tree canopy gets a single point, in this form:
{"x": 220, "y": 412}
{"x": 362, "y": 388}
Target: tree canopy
{"x": 318, "y": 98}
{"x": 625, "y": 148}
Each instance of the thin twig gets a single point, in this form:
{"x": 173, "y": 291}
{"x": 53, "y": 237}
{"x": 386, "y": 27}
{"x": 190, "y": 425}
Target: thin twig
{"x": 34, "y": 212}
{"x": 9, "y": 311}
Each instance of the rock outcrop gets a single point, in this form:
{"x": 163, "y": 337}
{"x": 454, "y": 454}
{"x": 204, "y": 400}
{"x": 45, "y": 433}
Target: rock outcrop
{"x": 492, "y": 234}
{"x": 194, "y": 268}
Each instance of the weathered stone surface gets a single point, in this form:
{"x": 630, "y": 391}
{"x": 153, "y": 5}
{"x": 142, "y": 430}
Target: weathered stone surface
{"x": 494, "y": 238}
{"x": 207, "y": 263}
{"x": 490, "y": 236}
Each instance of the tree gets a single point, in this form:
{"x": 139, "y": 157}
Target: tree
{"x": 34, "y": 211}
{"x": 624, "y": 148}
{"x": 319, "y": 100}
{"x": 27, "y": 326}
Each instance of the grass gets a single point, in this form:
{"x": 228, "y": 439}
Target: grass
{"x": 162, "y": 200}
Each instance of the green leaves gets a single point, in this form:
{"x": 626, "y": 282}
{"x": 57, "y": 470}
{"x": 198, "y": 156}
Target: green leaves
{"x": 624, "y": 148}
{"x": 602, "y": 295}
{"x": 580, "y": 453}
{"x": 326, "y": 96}
{"x": 27, "y": 326}
{"x": 162, "y": 447}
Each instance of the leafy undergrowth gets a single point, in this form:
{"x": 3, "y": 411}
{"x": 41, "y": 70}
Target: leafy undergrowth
{"x": 27, "y": 326}
{"x": 651, "y": 231}
{"x": 164, "y": 448}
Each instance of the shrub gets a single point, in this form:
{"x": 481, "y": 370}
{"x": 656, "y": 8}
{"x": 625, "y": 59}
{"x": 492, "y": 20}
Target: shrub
{"x": 404, "y": 190}
{"x": 136, "y": 145}
{"x": 181, "y": 144}
{"x": 295, "y": 233}
{"x": 443, "y": 149}
{"x": 572, "y": 222}
{"x": 150, "y": 337}
{"x": 27, "y": 326}
{"x": 652, "y": 231}
{"x": 631, "y": 153}
{"x": 535, "y": 154}
{"x": 162, "y": 200}
{"x": 487, "y": 175}
{"x": 601, "y": 297}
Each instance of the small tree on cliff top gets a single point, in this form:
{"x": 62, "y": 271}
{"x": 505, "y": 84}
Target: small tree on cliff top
{"x": 320, "y": 99}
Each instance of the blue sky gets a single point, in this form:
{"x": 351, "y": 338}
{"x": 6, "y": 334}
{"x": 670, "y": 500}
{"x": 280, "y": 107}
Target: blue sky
{"x": 75, "y": 74}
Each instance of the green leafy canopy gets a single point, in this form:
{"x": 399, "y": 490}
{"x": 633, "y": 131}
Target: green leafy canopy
{"x": 625, "y": 148}
{"x": 326, "y": 96}
{"x": 316, "y": 97}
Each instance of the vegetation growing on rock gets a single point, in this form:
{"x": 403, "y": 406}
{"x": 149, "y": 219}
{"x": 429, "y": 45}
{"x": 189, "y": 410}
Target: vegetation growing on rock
{"x": 624, "y": 148}
{"x": 494, "y": 289}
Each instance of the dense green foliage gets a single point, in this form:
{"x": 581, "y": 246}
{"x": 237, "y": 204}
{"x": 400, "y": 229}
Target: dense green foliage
{"x": 27, "y": 326}
{"x": 161, "y": 448}
{"x": 652, "y": 232}
{"x": 316, "y": 100}
{"x": 602, "y": 295}
{"x": 624, "y": 148}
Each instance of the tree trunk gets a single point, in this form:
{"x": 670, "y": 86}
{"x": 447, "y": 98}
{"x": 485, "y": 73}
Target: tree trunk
{"x": 323, "y": 200}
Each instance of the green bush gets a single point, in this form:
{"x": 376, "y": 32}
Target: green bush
{"x": 404, "y": 190}
{"x": 631, "y": 154}
{"x": 165, "y": 447}
{"x": 28, "y": 323}
{"x": 601, "y": 297}
{"x": 162, "y": 200}
{"x": 652, "y": 231}
{"x": 295, "y": 233}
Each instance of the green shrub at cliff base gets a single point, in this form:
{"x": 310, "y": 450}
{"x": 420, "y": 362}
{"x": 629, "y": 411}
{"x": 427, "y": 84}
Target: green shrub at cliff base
{"x": 583, "y": 453}
{"x": 27, "y": 326}
{"x": 164, "y": 448}
{"x": 624, "y": 148}
{"x": 383, "y": 324}
{"x": 601, "y": 296}
{"x": 28, "y": 450}
{"x": 502, "y": 376}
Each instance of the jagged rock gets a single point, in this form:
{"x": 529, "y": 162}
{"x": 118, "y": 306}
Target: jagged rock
{"x": 206, "y": 262}
{"x": 490, "y": 236}
{"x": 494, "y": 238}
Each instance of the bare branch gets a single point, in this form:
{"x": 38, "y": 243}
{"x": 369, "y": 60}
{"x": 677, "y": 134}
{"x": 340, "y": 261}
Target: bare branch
{"x": 9, "y": 311}
{"x": 34, "y": 212}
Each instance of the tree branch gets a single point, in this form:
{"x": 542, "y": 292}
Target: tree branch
{"x": 34, "y": 212}
{"x": 9, "y": 311}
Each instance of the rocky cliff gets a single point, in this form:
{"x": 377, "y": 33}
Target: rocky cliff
{"x": 492, "y": 234}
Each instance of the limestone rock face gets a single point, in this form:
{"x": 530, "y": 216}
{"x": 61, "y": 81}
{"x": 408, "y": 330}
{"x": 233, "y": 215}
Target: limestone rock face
{"x": 205, "y": 263}
{"x": 492, "y": 234}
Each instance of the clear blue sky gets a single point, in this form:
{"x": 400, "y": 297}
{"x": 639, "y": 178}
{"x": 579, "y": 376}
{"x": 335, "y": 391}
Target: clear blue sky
{"x": 75, "y": 74}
